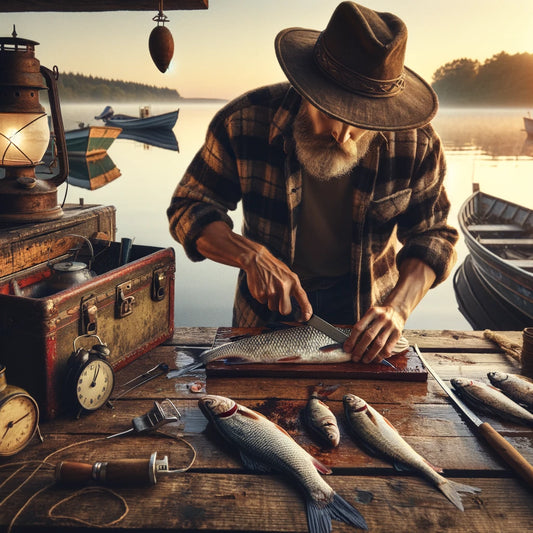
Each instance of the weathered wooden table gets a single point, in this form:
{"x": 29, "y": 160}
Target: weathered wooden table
{"x": 218, "y": 494}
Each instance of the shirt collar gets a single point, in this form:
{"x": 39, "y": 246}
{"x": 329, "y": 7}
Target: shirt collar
{"x": 284, "y": 116}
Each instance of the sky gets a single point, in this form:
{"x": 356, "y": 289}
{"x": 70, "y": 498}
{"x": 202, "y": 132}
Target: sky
{"x": 228, "y": 49}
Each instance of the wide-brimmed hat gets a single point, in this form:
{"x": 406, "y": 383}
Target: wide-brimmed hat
{"x": 354, "y": 70}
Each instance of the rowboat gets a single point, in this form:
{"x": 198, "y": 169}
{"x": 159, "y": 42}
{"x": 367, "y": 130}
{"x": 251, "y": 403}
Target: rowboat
{"x": 92, "y": 172}
{"x": 90, "y": 140}
{"x": 499, "y": 237}
{"x": 528, "y": 125}
{"x": 481, "y": 305}
{"x": 145, "y": 120}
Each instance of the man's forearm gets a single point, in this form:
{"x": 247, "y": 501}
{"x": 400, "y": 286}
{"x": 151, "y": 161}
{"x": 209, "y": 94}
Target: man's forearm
{"x": 416, "y": 278}
{"x": 219, "y": 243}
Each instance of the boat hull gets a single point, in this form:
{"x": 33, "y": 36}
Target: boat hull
{"x": 482, "y": 307}
{"x": 165, "y": 120}
{"x": 91, "y": 140}
{"x": 497, "y": 234}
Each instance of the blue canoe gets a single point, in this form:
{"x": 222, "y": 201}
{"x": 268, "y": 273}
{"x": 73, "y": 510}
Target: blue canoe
{"x": 163, "y": 121}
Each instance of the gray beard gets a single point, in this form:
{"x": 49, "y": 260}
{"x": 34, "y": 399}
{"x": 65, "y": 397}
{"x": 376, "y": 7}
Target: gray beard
{"x": 321, "y": 156}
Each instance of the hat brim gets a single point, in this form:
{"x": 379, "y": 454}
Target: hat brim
{"x": 413, "y": 107}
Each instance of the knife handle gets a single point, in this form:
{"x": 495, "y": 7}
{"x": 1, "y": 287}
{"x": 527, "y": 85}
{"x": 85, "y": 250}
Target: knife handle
{"x": 508, "y": 453}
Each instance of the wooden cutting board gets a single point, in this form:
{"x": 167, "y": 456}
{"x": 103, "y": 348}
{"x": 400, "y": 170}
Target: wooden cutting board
{"x": 408, "y": 365}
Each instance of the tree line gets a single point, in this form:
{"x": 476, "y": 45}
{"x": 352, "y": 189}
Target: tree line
{"x": 502, "y": 80}
{"x": 80, "y": 88}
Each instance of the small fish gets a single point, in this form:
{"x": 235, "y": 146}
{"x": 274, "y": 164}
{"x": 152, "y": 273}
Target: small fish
{"x": 264, "y": 446}
{"x": 516, "y": 387}
{"x": 322, "y": 421}
{"x": 377, "y": 433}
{"x": 298, "y": 344}
{"x": 491, "y": 400}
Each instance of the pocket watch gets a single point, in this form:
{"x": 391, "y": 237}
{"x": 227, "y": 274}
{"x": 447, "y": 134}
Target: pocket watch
{"x": 19, "y": 417}
{"x": 90, "y": 378}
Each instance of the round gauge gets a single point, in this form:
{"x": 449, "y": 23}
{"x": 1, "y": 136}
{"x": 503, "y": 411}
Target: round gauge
{"x": 94, "y": 384}
{"x": 19, "y": 419}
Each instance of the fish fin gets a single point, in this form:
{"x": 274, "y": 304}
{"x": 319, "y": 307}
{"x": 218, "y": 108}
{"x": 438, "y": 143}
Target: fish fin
{"x": 253, "y": 464}
{"x": 322, "y": 468}
{"x": 319, "y": 517}
{"x": 185, "y": 370}
{"x": 240, "y": 337}
{"x": 330, "y": 347}
{"x": 437, "y": 469}
{"x": 237, "y": 360}
{"x": 451, "y": 490}
{"x": 289, "y": 359}
{"x": 401, "y": 467}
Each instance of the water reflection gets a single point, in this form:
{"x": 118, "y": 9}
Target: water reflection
{"x": 92, "y": 172}
{"x": 158, "y": 137}
{"x": 492, "y": 132}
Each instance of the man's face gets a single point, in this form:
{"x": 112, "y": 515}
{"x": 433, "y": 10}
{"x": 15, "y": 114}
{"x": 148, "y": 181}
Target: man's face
{"x": 326, "y": 147}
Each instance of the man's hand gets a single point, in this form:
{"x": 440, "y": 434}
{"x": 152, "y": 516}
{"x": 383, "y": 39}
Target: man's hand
{"x": 377, "y": 332}
{"x": 270, "y": 281}
{"x": 273, "y": 283}
{"x": 375, "y": 335}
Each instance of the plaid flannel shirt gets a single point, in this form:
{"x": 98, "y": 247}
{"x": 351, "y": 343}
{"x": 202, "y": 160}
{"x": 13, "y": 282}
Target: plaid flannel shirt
{"x": 400, "y": 206}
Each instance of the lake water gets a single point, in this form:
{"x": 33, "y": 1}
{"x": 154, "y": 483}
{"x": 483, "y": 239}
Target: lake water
{"x": 485, "y": 146}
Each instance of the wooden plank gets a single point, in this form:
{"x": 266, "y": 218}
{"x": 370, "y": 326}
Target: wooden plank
{"x": 494, "y": 228}
{"x": 98, "y": 5}
{"x": 221, "y": 502}
{"x": 520, "y": 263}
{"x": 506, "y": 242}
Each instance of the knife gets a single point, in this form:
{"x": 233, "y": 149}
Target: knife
{"x": 335, "y": 333}
{"x": 503, "y": 448}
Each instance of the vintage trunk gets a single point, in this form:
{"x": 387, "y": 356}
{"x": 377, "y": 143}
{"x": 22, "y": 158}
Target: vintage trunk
{"x": 130, "y": 307}
{"x": 27, "y": 245}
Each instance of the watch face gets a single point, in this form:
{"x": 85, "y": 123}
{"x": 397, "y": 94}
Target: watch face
{"x": 19, "y": 417}
{"x": 95, "y": 384}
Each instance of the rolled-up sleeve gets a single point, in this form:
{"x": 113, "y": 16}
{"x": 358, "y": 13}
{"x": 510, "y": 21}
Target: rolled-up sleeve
{"x": 209, "y": 188}
{"x": 423, "y": 229}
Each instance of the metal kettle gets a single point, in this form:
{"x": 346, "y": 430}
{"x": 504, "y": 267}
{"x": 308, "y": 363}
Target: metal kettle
{"x": 66, "y": 274}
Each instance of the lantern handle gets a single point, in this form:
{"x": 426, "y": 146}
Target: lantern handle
{"x": 59, "y": 130}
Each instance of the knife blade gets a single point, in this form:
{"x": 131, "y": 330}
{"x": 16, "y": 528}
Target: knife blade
{"x": 502, "y": 447}
{"x": 335, "y": 333}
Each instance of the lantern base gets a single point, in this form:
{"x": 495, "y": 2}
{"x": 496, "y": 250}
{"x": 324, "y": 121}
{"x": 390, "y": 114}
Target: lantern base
{"x": 24, "y": 199}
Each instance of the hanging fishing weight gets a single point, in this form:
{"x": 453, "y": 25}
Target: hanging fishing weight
{"x": 161, "y": 43}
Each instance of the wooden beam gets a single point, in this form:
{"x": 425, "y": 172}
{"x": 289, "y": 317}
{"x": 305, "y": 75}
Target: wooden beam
{"x": 20, "y": 6}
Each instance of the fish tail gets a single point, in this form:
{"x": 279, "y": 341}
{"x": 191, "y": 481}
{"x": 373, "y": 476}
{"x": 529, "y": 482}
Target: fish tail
{"x": 451, "y": 490}
{"x": 319, "y": 518}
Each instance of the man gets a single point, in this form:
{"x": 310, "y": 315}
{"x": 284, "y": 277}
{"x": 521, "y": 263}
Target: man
{"x": 335, "y": 171}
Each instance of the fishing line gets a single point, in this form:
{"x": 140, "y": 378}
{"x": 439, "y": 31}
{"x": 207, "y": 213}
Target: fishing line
{"x": 83, "y": 491}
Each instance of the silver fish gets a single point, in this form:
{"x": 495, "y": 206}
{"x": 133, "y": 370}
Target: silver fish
{"x": 490, "y": 400}
{"x": 377, "y": 433}
{"x": 298, "y": 344}
{"x": 322, "y": 421}
{"x": 264, "y": 446}
{"x": 516, "y": 387}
